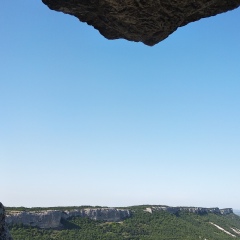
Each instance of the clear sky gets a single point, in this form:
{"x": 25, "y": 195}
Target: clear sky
{"x": 89, "y": 121}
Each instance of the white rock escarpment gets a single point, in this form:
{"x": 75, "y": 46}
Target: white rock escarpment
{"x": 52, "y": 218}
{"x": 105, "y": 214}
{"x": 41, "y": 219}
{"x": 198, "y": 210}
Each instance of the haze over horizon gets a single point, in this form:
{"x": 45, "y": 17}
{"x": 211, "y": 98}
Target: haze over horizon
{"x": 88, "y": 121}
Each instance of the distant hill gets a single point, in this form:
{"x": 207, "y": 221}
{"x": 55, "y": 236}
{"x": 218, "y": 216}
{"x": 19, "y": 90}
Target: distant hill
{"x": 161, "y": 223}
{"x": 236, "y": 211}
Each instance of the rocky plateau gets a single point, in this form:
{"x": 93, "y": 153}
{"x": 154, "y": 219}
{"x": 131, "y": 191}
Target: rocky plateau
{"x": 197, "y": 210}
{"x": 53, "y": 218}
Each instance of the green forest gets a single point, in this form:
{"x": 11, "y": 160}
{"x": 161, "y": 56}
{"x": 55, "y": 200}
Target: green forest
{"x": 141, "y": 226}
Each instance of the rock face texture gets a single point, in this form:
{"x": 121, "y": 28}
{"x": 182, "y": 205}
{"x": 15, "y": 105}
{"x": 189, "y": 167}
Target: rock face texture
{"x": 42, "y": 219}
{"x": 197, "y": 210}
{"x": 105, "y": 214}
{"x": 147, "y": 21}
{"x": 226, "y": 211}
{"x": 4, "y": 233}
{"x": 52, "y": 218}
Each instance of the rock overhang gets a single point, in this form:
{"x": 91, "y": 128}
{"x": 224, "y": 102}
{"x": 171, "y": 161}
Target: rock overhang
{"x": 147, "y": 21}
{"x": 4, "y": 233}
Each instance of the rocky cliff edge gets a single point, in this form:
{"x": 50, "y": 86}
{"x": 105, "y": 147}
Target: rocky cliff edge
{"x": 52, "y": 218}
{"x": 4, "y": 233}
{"x": 197, "y": 210}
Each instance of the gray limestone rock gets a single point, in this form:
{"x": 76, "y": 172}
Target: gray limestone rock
{"x": 105, "y": 214}
{"x": 226, "y": 211}
{"x": 52, "y": 218}
{"x": 41, "y": 219}
{"x": 197, "y": 210}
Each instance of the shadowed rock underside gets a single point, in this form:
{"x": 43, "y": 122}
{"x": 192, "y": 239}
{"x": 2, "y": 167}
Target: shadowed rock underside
{"x": 147, "y": 21}
{"x": 4, "y": 233}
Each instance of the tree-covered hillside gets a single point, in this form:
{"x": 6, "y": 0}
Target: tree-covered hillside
{"x": 141, "y": 226}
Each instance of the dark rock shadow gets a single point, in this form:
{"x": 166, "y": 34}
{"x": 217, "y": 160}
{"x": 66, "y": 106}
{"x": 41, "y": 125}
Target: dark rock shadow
{"x": 69, "y": 225}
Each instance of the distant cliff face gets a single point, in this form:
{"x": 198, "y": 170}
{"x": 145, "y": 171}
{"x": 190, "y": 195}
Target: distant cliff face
{"x": 105, "y": 214}
{"x": 226, "y": 211}
{"x": 4, "y": 233}
{"x": 42, "y": 219}
{"x": 197, "y": 210}
{"x": 237, "y": 212}
{"x": 147, "y": 21}
{"x": 52, "y": 218}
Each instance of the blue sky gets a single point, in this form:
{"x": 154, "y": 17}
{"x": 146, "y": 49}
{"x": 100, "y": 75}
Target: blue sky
{"x": 89, "y": 121}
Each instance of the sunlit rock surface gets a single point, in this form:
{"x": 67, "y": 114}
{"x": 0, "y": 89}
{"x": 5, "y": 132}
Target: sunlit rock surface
{"x": 52, "y": 218}
{"x": 197, "y": 210}
{"x": 4, "y": 233}
{"x": 147, "y": 21}
{"x": 41, "y": 219}
{"x": 105, "y": 214}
